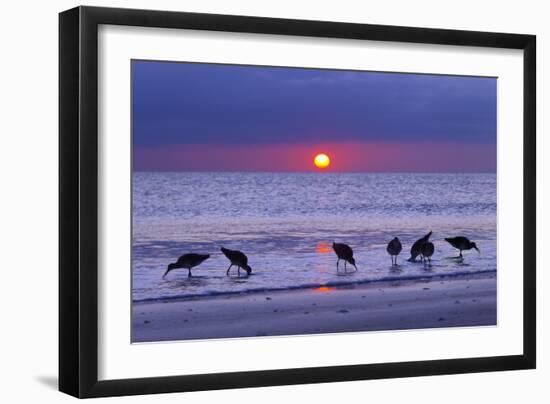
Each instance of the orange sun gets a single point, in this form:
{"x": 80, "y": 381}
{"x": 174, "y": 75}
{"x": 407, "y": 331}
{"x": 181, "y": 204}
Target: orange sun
{"x": 321, "y": 161}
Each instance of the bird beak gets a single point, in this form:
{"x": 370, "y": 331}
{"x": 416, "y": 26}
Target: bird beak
{"x": 477, "y": 249}
{"x": 165, "y": 273}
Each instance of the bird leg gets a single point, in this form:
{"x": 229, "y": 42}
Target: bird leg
{"x": 227, "y": 273}
{"x": 189, "y": 274}
{"x": 345, "y": 267}
{"x": 239, "y": 271}
{"x": 337, "y": 267}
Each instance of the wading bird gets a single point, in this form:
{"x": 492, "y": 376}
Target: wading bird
{"x": 343, "y": 252}
{"x": 416, "y": 248}
{"x": 394, "y": 248}
{"x": 427, "y": 252}
{"x": 238, "y": 259}
{"x": 462, "y": 244}
{"x": 187, "y": 261}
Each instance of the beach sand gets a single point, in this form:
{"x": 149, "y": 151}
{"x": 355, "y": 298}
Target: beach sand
{"x": 443, "y": 302}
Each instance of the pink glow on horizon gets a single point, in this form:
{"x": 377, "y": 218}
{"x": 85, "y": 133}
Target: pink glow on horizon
{"x": 345, "y": 157}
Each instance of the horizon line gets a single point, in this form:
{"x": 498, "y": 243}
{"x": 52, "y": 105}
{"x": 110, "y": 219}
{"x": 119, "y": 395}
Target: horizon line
{"x": 313, "y": 172}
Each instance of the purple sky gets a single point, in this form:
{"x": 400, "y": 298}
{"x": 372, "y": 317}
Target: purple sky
{"x": 207, "y": 117}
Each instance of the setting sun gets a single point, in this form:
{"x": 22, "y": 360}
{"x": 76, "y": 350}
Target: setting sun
{"x": 321, "y": 161}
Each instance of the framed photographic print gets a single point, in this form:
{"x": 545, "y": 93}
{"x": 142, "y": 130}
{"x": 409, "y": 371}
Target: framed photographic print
{"x": 250, "y": 201}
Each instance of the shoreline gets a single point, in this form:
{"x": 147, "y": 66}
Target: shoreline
{"x": 373, "y": 306}
{"x": 383, "y": 282}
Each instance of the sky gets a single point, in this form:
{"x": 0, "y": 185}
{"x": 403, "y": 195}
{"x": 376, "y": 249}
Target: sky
{"x": 213, "y": 117}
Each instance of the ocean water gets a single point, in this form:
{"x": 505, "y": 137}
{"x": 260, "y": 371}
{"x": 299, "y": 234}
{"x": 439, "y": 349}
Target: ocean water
{"x": 286, "y": 223}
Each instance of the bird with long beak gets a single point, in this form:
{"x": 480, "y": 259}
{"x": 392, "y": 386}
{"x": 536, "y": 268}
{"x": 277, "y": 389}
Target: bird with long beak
{"x": 343, "y": 252}
{"x": 462, "y": 244}
{"x": 187, "y": 261}
{"x": 416, "y": 248}
{"x": 237, "y": 258}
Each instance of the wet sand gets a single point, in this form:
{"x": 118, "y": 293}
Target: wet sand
{"x": 376, "y": 306}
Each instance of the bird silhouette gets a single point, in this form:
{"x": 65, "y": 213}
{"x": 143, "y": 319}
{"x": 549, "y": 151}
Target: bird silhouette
{"x": 416, "y": 248}
{"x": 462, "y": 244}
{"x": 343, "y": 252}
{"x": 394, "y": 248}
{"x": 238, "y": 259}
{"x": 427, "y": 252}
{"x": 187, "y": 261}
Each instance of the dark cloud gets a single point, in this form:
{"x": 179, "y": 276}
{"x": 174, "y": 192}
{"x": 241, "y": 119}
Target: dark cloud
{"x": 188, "y": 103}
{"x": 178, "y": 106}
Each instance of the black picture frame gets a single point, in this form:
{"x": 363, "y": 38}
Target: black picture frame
{"x": 78, "y": 201}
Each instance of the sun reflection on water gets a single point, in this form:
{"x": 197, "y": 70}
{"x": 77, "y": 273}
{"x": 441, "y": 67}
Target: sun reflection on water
{"x": 323, "y": 247}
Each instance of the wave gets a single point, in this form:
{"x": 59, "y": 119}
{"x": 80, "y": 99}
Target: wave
{"x": 331, "y": 284}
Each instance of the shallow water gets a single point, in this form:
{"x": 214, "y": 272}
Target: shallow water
{"x": 286, "y": 223}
